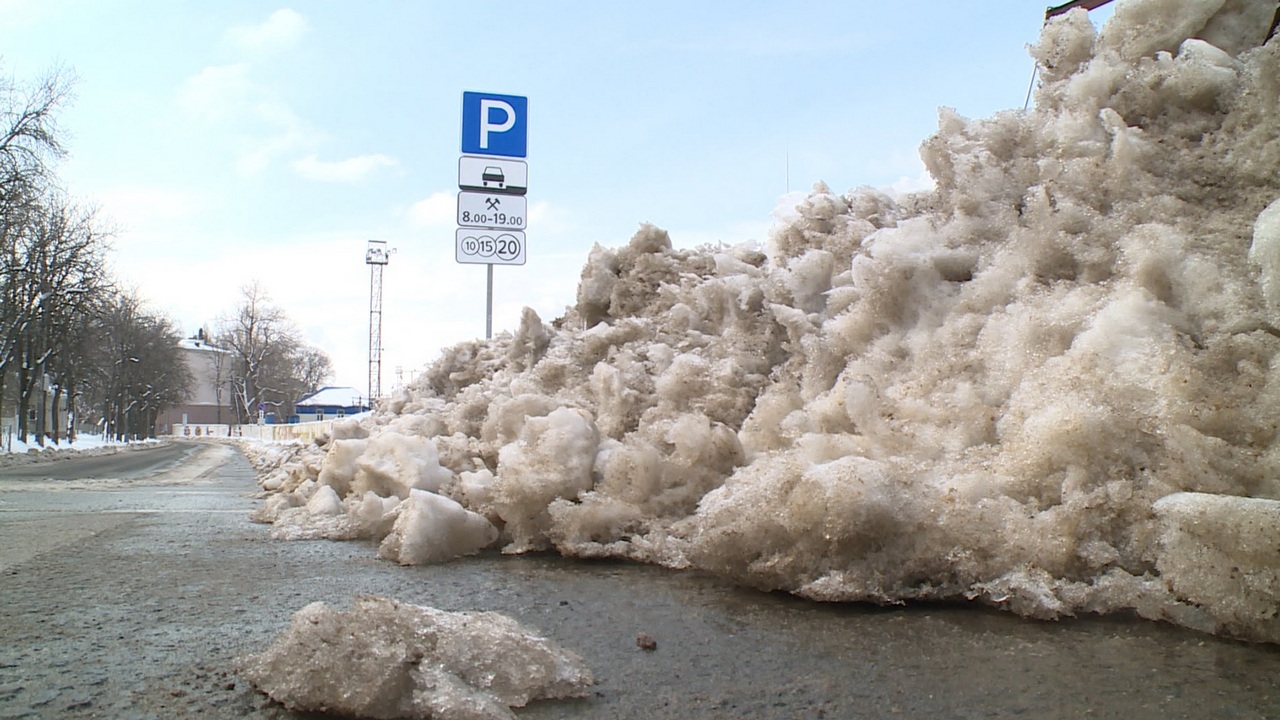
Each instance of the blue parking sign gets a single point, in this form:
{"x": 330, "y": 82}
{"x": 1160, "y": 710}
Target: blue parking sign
{"x": 495, "y": 124}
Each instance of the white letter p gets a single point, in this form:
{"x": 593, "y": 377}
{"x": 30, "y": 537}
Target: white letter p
{"x": 485, "y": 127}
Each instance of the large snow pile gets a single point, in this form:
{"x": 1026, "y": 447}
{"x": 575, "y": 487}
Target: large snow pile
{"x": 978, "y": 392}
{"x": 386, "y": 659}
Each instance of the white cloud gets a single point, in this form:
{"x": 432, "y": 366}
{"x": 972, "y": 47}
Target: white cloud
{"x": 353, "y": 169}
{"x": 259, "y": 154}
{"x": 282, "y": 30}
{"x": 259, "y": 128}
{"x": 19, "y": 14}
{"x": 548, "y": 219}
{"x": 266, "y": 128}
{"x": 216, "y": 92}
{"x": 325, "y": 292}
{"x": 437, "y": 210}
{"x": 141, "y": 207}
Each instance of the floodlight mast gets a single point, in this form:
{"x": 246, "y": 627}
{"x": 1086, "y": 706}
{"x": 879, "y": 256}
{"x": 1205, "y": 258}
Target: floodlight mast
{"x": 376, "y": 257}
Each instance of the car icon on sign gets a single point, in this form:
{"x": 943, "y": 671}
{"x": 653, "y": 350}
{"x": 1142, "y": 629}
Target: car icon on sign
{"x": 493, "y": 174}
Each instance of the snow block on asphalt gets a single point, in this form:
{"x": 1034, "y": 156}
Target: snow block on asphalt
{"x": 1222, "y": 553}
{"x": 387, "y": 659}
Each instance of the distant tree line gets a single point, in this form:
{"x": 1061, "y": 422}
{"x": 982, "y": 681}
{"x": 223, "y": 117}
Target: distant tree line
{"x": 69, "y": 335}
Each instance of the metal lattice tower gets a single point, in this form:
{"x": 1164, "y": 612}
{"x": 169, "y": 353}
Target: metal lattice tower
{"x": 376, "y": 257}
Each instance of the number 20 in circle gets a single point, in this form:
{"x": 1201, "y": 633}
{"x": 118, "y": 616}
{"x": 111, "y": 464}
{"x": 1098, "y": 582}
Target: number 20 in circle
{"x": 490, "y": 247}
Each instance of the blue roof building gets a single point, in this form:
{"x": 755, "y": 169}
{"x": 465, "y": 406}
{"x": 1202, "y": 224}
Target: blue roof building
{"x": 329, "y": 403}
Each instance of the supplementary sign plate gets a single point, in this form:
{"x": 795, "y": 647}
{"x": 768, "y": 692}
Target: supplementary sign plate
{"x": 493, "y": 175}
{"x": 490, "y": 247}
{"x": 489, "y": 210}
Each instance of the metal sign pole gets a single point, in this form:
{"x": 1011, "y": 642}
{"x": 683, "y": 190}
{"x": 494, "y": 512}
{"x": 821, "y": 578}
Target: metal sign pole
{"x": 488, "y": 305}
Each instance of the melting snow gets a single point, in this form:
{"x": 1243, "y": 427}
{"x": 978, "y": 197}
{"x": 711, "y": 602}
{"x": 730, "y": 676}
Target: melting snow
{"x": 385, "y": 659}
{"x": 1049, "y": 384}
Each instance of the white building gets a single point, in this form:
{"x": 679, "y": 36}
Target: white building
{"x": 209, "y": 399}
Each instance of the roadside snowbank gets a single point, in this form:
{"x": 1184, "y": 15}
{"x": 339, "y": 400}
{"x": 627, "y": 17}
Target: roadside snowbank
{"x": 983, "y": 391}
{"x": 23, "y": 453}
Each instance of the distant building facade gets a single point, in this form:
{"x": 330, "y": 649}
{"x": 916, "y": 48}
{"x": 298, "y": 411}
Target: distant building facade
{"x": 329, "y": 403}
{"x": 209, "y": 399}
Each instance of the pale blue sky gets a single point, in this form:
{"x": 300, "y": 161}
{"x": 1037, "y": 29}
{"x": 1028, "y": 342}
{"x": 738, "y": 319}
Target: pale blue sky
{"x": 235, "y": 140}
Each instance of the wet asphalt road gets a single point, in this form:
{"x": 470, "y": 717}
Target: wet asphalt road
{"x": 132, "y": 596}
{"x": 128, "y": 463}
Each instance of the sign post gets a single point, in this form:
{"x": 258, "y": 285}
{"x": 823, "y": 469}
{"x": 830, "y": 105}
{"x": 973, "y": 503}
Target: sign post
{"x": 493, "y": 178}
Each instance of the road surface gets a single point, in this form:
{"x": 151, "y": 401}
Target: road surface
{"x": 133, "y": 462}
{"x": 129, "y": 591}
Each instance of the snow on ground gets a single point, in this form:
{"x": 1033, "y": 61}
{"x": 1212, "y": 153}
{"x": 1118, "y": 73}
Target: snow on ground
{"x": 386, "y": 659}
{"x": 82, "y": 442}
{"x": 1049, "y": 384}
{"x": 14, "y": 451}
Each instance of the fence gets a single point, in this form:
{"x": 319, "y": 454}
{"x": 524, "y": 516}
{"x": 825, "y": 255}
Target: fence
{"x": 276, "y": 433}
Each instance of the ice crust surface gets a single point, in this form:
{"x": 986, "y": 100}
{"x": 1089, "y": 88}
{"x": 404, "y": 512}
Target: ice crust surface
{"x": 386, "y": 659}
{"x": 1050, "y": 384}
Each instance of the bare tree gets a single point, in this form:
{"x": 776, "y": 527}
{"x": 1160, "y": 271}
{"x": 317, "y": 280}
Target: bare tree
{"x": 314, "y": 369}
{"x": 308, "y": 369}
{"x": 62, "y": 280}
{"x": 137, "y": 370}
{"x": 28, "y": 145}
{"x": 272, "y": 366}
{"x": 28, "y": 134}
{"x": 260, "y": 335}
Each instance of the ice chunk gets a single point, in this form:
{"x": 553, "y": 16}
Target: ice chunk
{"x": 431, "y": 528}
{"x": 394, "y": 463}
{"x": 554, "y": 458}
{"x": 339, "y": 467}
{"x": 1222, "y": 553}
{"x": 477, "y": 488}
{"x": 348, "y": 429}
{"x": 274, "y": 506}
{"x": 1265, "y": 253}
{"x": 372, "y": 514}
{"x": 1141, "y": 27}
{"x": 387, "y": 659}
{"x": 325, "y": 502}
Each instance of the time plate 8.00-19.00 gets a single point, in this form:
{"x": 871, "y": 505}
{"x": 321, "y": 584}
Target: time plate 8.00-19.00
{"x": 491, "y": 210}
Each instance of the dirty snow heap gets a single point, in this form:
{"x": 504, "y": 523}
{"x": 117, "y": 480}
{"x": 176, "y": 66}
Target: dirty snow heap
{"x": 1050, "y": 384}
